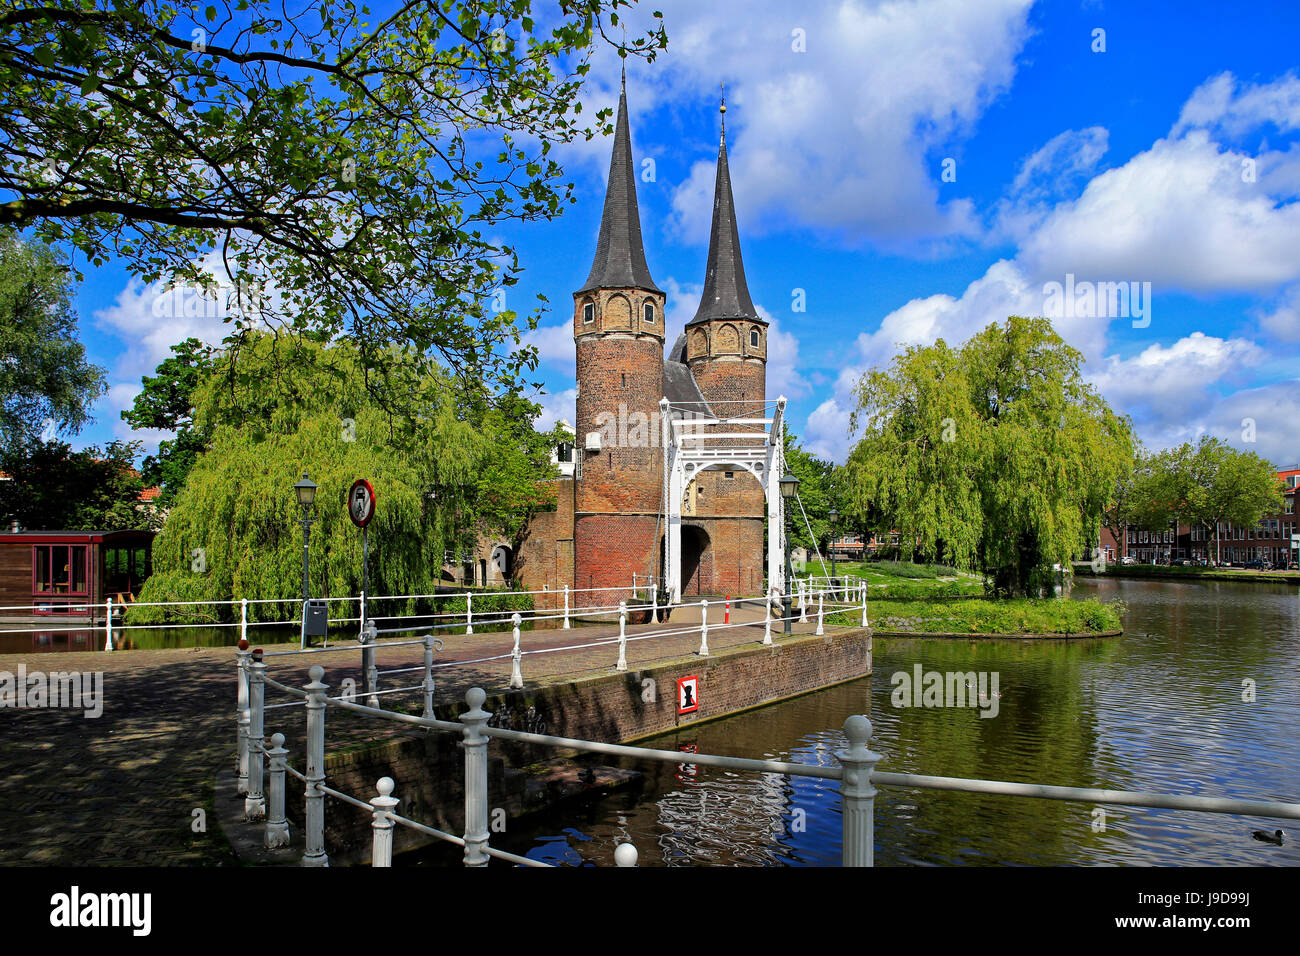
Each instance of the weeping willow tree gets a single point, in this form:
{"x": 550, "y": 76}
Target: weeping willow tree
{"x": 234, "y": 530}
{"x": 995, "y": 456}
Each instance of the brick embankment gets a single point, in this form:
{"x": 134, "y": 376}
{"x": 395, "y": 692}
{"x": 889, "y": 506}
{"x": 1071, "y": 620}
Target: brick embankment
{"x": 122, "y": 788}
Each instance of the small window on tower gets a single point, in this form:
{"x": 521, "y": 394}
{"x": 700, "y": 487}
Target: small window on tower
{"x": 588, "y": 313}
{"x": 650, "y": 312}
{"x": 729, "y": 475}
{"x": 753, "y": 337}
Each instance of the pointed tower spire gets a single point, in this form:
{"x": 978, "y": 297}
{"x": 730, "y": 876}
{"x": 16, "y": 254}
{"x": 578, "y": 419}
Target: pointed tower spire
{"x": 726, "y": 295}
{"x": 620, "y": 256}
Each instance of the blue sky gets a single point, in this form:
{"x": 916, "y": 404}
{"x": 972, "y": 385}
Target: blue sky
{"x": 1170, "y": 158}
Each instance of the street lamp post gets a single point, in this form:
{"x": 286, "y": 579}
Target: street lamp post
{"x": 306, "y": 491}
{"x": 789, "y": 486}
{"x": 834, "y": 516}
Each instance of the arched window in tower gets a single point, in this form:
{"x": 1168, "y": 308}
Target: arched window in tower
{"x": 753, "y": 337}
{"x": 649, "y": 310}
{"x": 588, "y": 313}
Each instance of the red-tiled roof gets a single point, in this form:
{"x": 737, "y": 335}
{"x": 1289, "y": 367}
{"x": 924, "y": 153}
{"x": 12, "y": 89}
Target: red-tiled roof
{"x": 149, "y": 494}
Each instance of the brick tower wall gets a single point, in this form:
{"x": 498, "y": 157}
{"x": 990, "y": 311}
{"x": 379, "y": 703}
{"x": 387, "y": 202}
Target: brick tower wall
{"x": 618, "y": 491}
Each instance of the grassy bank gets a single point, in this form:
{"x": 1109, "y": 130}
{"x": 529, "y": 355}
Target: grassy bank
{"x": 1182, "y": 573}
{"x": 1013, "y": 616}
{"x": 905, "y": 581}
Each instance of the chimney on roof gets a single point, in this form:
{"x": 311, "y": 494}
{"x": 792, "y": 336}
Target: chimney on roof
{"x": 15, "y": 527}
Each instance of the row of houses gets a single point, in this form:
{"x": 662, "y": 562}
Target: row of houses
{"x": 1270, "y": 539}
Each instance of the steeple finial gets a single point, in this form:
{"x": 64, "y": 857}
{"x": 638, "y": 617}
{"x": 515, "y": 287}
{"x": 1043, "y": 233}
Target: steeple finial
{"x": 723, "y": 110}
{"x": 623, "y": 81}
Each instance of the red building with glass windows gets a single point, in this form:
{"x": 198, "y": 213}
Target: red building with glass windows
{"x": 70, "y": 573}
{"x": 1269, "y": 540}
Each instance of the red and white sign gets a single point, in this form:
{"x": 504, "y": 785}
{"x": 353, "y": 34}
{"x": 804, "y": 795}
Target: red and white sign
{"x": 688, "y": 694}
{"x": 361, "y": 502}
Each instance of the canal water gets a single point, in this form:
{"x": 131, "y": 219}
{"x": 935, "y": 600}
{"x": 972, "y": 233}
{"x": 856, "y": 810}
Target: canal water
{"x": 1159, "y": 709}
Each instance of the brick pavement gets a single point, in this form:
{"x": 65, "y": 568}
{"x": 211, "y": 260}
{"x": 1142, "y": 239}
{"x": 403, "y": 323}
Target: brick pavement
{"x": 121, "y": 789}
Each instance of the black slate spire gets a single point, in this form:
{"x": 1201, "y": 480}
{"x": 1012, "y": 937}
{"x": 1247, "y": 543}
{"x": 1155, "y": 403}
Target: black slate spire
{"x": 620, "y": 257}
{"x": 726, "y": 295}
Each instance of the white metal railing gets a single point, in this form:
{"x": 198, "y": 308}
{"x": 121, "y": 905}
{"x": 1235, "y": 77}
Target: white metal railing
{"x": 856, "y": 774}
{"x": 107, "y": 616}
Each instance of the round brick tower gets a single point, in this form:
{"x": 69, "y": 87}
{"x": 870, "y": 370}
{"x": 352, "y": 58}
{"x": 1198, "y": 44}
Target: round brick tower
{"x": 618, "y": 331}
{"x": 726, "y": 351}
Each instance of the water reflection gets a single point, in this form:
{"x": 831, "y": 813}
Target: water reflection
{"x": 1158, "y": 709}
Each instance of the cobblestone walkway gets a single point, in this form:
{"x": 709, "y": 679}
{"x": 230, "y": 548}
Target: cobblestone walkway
{"x": 123, "y": 788}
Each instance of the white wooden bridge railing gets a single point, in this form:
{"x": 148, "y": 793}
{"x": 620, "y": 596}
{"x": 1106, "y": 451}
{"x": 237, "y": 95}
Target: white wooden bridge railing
{"x": 856, "y": 774}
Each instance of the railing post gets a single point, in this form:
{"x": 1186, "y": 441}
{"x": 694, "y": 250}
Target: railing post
{"x": 654, "y": 602}
{"x": 634, "y": 593}
{"x": 704, "y": 629}
{"x": 242, "y": 657}
{"x": 862, "y": 588}
{"x": 254, "y": 801}
{"x": 428, "y": 677}
{"x": 108, "y": 624}
{"x": 469, "y": 613}
{"x": 243, "y": 619}
{"x": 803, "y": 602}
{"x": 369, "y": 636}
{"x": 476, "y": 766}
{"x": 625, "y": 855}
{"x": 314, "y": 854}
{"x": 277, "y": 825}
{"x": 858, "y": 795}
{"x": 820, "y": 596}
{"x": 516, "y": 656}
{"x": 381, "y": 852}
{"x": 622, "y": 637}
{"x": 566, "y": 607}
{"x": 767, "y": 616}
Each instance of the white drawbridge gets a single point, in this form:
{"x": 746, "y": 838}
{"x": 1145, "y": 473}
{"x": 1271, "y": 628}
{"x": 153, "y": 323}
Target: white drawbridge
{"x": 694, "y": 442}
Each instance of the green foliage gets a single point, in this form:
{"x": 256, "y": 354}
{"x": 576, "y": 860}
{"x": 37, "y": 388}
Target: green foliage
{"x": 1212, "y": 483}
{"x": 46, "y": 384}
{"x": 1009, "y": 616}
{"x": 166, "y": 402}
{"x": 347, "y": 168}
{"x": 57, "y": 489}
{"x": 815, "y": 493}
{"x": 996, "y": 456}
{"x": 238, "y": 504}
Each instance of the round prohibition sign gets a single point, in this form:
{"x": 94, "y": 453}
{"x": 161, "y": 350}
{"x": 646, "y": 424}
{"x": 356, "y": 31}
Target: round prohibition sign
{"x": 361, "y": 502}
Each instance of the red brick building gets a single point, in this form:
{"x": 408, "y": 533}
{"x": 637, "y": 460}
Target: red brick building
{"x": 1269, "y": 540}
{"x": 610, "y": 522}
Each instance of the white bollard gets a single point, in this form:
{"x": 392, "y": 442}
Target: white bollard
{"x": 622, "y": 637}
{"x": 108, "y": 624}
{"x": 243, "y": 619}
{"x": 704, "y": 629}
{"x": 469, "y": 613}
{"x": 858, "y": 795}
{"x": 242, "y": 657}
{"x": 654, "y": 603}
{"x": 803, "y": 603}
{"x": 254, "y": 801}
{"x": 381, "y": 851}
{"x": 767, "y": 617}
{"x": 566, "y": 607}
{"x": 516, "y": 656}
{"x": 862, "y": 587}
{"x": 820, "y": 629}
{"x": 277, "y": 825}
{"x": 427, "y": 686}
{"x": 314, "y": 852}
{"x": 625, "y": 855}
{"x": 476, "y": 774}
